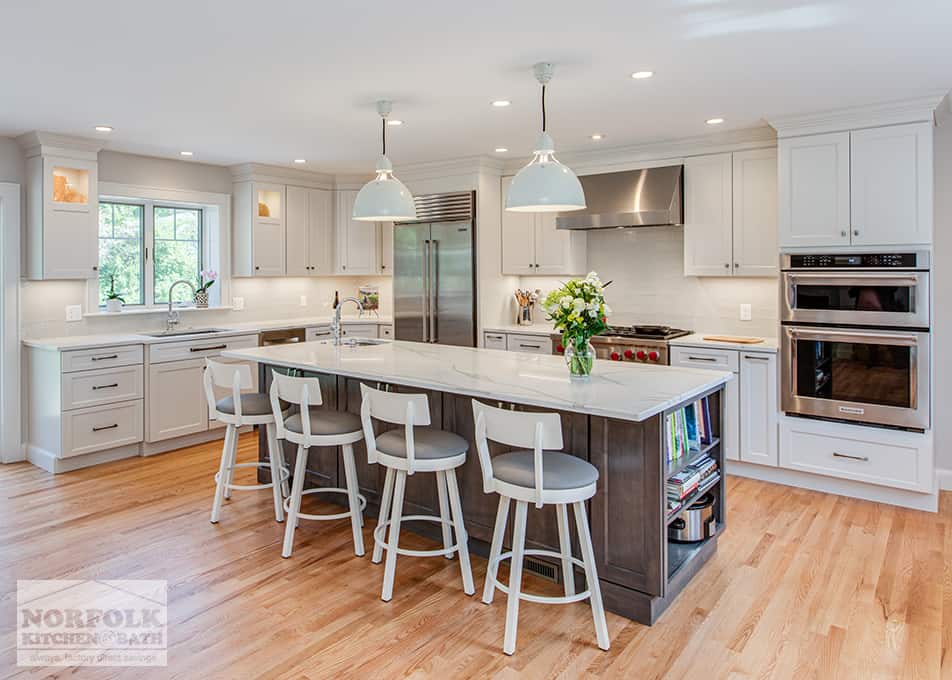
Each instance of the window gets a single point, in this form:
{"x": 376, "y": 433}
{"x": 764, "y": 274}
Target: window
{"x": 145, "y": 248}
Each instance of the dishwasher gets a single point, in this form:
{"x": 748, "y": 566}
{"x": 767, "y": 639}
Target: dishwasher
{"x": 285, "y": 336}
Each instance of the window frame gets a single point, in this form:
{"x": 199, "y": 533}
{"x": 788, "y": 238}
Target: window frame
{"x": 143, "y": 253}
{"x": 150, "y": 266}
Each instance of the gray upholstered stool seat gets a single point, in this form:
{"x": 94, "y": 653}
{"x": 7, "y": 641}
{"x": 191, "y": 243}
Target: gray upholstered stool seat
{"x": 325, "y": 422}
{"x": 561, "y": 470}
{"x": 428, "y": 443}
{"x": 252, "y": 404}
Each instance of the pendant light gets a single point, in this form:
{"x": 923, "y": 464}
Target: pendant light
{"x": 384, "y": 198}
{"x": 545, "y": 185}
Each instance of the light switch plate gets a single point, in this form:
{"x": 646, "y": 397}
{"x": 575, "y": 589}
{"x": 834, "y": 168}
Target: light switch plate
{"x": 74, "y": 312}
{"x": 745, "y": 312}
{"x": 303, "y": 301}
{"x": 237, "y": 303}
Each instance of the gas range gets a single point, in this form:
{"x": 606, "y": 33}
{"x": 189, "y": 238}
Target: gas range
{"x": 639, "y": 343}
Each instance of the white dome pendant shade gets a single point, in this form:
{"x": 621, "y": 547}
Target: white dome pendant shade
{"x": 384, "y": 198}
{"x": 545, "y": 185}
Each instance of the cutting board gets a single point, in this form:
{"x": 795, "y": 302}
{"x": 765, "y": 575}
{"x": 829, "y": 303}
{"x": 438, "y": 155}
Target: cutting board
{"x": 739, "y": 339}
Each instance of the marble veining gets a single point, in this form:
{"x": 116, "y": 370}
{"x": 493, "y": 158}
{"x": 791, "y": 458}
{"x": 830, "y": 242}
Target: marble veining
{"x": 616, "y": 390}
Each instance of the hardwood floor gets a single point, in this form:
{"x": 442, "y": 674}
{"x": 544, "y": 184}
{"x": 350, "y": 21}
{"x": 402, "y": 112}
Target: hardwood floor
{"x": 804, "y": 585}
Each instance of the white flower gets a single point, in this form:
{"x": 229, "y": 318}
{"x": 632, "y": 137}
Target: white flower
{"x": 566, "y": 301}
{"x": 578, "y": 304}
{"x": 593, "y": 313}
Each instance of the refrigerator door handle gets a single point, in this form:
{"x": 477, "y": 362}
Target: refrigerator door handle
{"x": 434, "y": 288}
{"x": 426, "y": 290}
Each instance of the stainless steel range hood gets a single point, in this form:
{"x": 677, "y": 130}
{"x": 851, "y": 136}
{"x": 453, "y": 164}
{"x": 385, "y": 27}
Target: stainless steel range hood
{"x": 635, "y": 198}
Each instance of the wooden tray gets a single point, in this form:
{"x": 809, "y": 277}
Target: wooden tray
{"x": 739, "y": 339}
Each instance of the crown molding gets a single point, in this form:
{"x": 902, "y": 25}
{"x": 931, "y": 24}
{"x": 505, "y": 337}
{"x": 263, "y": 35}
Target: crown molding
{"x": 276, "y": 174}
{"x": 467, "y": 165}
{"x": 39, "y": 143}
{"x": 918, "y": 110}
{"x": 943, "y": 112}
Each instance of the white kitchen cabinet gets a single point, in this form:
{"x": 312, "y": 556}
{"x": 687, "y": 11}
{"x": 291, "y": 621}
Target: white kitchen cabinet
{"x": 493, "y": 340}
{"x": 758, "y": 408}
{"x": 529, "y": 344}
{"x": 719, "y": 360}
{"x": 357, "y": 241}
{"x": 176, "y": 399}
{"x": 708, "y": 219}
{"x": 532, "y": 245}
{"x": 259, "y": 231}
{"x": 891, "y": 185}
{"x": 385, "y": 246}
{"x": 755, "y": 213}
{"x": 385, "y": 332}
{"x": 310, "y": 232}
{"x": 359, "y": 330}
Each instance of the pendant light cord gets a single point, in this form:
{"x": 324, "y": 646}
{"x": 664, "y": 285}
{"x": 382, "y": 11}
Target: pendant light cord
{"x": 383, "y": 134}
{"x": 543, "y": 108}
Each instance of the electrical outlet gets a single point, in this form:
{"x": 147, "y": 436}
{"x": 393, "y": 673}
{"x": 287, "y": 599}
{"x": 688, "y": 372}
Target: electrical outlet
{"x": 237, "y": 303}
{"x": 745, "y": 312}
{"x": 74, "y": 312}
{"x": 303, "y": 301}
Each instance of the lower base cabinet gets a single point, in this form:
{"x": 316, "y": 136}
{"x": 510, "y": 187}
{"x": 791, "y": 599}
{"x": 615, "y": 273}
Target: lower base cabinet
{"x": 177, "y": 404}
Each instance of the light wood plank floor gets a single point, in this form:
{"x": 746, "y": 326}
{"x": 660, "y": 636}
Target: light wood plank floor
{"x": 804, "y": 585}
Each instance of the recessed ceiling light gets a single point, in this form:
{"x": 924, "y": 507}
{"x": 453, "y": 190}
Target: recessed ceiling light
{"x": 641, "y": 75}
{"x": 394, "y": 121}
{"x": 299, "y": 160}
{"x": 185, "y": 153}
{"x": 103, "y": 128}
{"x": 501, "y": 149}
{"x": 598, "y": 137}
{"x": 714, "y": 121}
{"x": 501, "y": 103}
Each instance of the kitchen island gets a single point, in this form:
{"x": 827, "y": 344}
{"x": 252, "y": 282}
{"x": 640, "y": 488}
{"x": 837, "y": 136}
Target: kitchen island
{"x": 616, "y": 420}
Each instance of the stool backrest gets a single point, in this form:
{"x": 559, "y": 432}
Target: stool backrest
{"x": 305, "y": 392}
{"x": 221, "y": 374}
{"x": 519, "y": 429}
{"x": 392, "y": 407}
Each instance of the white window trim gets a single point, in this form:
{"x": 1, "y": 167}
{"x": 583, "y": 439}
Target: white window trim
{"x": 11, "y": 447}
{"x": 216, "y": 231}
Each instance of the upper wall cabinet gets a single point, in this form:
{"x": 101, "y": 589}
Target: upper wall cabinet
{"x": 866, "y": 187}
{"x": 730, "y": 214}
{"x": 310, "y": 232}
{"x": 533, "y": 246}
{"x": 357, "y": 241}
{"x": 62, "y": 209}
{"x": 259, "y": 229}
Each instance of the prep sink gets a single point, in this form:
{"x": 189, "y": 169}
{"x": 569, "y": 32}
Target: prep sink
{"x": 356, "y": 342}
{"x": 185, "y": 331}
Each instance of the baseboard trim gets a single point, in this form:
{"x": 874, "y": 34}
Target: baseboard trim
{"x": 153, "y": 448}
{"x": 944, "y": 478}
{"x": 841, "y": 487}
{"x": 47, "y": 461}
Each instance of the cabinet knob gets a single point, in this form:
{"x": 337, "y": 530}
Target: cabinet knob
{"x": 95, "y": 268}
{"x": 727, "y": 265}
{"x": 737, "y": 265}
{"x": 856, "y": 232}
{"x": 257, "y": 267}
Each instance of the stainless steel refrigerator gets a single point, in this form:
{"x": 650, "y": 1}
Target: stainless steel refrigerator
{"x": 434, "y": 283}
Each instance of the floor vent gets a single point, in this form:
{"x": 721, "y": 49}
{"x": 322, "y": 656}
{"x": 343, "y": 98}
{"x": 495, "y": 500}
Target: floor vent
{"x": 541, "y": 568}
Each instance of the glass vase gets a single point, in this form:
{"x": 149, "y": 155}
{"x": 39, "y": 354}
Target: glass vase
{"x": 579, "y": 357}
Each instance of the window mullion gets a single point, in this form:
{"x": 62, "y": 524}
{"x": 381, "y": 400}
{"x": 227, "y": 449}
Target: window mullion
{"x": 149, "y": 242}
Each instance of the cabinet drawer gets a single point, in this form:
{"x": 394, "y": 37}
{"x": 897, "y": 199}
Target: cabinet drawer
{"x": 105, "y": 386}
{"x": 702, "y": 357}
{"x": 494, "y": 340}
{"x": 317, "y": 333}
{"x": 386, "y": 332}
{"x": 873, "y": 455}
{"x": 104, "y": 357}
{"x": 101, "y": 427}
{"x": 197, "y": 349}
{"x": 359, "y": 330}
{"x": 531, "y": 344}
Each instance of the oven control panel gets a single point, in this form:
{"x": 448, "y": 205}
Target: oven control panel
{"x": 855, "y": 261}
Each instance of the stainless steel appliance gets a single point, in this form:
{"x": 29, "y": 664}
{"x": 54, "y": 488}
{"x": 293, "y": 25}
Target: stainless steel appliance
{"x": 283, "y": 336}
{"x": 695, "y": 523}
{"x": 855, "y": 341}
{"x": 638, "y": 343}
{"x": 434, "y": 285}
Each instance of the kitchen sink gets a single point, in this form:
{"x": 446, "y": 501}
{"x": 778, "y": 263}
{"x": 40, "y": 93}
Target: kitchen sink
{"x": 185, "y": 331}
{"x": 361, "y": 342}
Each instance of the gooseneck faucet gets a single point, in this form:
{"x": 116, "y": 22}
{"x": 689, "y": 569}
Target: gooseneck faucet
{"x": 335, "y": 324}
{"x": 173, "y": 318}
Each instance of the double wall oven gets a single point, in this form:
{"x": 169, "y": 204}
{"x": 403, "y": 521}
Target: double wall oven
{"x": 855, "y": 340}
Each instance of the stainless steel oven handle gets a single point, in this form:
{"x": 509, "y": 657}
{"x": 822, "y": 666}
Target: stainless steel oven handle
{"x": 858, "y": 277}
{"x": 853, "y": 336}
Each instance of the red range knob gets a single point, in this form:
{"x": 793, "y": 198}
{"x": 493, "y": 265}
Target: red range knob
{"x": 560, "y": 349}
{"x": 629, "y": 354}
{"x": 641, "y": 355}
{"x": 652, "y": 356}
{"x": 616, "y": 356}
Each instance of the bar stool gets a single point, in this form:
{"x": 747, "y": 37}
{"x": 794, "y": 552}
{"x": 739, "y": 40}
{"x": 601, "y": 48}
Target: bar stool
{"x": 308, "y": 428}
{"x": 415, "y": 448}
{"x": 237, "y": 411}
{"x": 531, "y": 476}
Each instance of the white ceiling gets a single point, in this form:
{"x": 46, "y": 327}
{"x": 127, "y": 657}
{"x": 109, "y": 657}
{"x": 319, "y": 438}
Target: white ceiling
{"x": 272, "y": 81}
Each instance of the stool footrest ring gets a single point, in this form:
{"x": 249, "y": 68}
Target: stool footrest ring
{"x": 339, "y": 515}
{"x": 285, "y": 475}
{"x": 542, "y": 599}
{"x": 380, "y": 537}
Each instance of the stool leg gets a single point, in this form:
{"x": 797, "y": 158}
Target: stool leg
{"x": 394, "y": 537}
{"x": 275, "y": 471}
{"x": 385, "y": 501}
{"x": 515, "y": 577}
{"x": 297, "y": 487}
{"x": 499, "y": 532}
{"x": 222, "y": 473}
{"x": 460, "y": 530}
{"x": 232, "y": 459}
{"x": 285, "y": 487}
{"x": 565, "y": 546}
{"x": 350, "y": 474}
{"x": 591, "y": 577}
{"x": 444, "y": 512}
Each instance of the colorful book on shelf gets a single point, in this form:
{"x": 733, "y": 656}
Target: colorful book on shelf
{"x": 706, "y": 415}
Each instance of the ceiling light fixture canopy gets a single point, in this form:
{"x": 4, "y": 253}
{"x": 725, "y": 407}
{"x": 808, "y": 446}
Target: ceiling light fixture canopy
{"x": 544, "y": 185}
{"x": 384, "y": 198}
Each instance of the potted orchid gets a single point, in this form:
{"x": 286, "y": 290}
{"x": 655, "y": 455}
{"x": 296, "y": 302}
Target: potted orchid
{"x": 207, "y": 278}
{"x": 114, "y": 300}
{"x": 578, "y": 311}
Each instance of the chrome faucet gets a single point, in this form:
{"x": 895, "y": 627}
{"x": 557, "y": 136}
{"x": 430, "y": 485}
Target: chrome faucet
{"x": 335, "y": 324}
{"x": 173, "y": 318}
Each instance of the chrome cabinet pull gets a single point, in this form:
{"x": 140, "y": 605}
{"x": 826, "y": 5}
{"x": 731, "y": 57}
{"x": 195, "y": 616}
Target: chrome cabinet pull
{"x": 111, "y": 356}
{"x": 521, "y": 344}
{"x": 748, "y": 356}
{"x": 863, "y": 459}
{"x": 206, "y": 349}
{"x": 105, "y": 387}
{"x": 106, "y": 427}
{"x": 711, "y": 359}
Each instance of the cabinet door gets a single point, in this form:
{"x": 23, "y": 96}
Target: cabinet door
{"x": 814, "y": 174}
{"x": 70, "y": 230}
{"x": 558, "y": 251}
{"x": 296, "y": 217}
{"x": 758, "y": 408}
{"x": 320, "y": 233}
{"x": 356, "y": 240}
{"x": 891, "y": 185}
{"x": 518, "y": 238}
{"x": 177, "y": 403}
{"x": 385, "y": 234}
{"x": 268, "y": 248}
{"x": 755, "y": 213}
{"x": 708, "y": 221}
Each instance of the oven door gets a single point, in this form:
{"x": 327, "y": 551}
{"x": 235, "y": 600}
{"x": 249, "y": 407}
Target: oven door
{"x": 876, "y": 377}
{"x": 890, "y": 299}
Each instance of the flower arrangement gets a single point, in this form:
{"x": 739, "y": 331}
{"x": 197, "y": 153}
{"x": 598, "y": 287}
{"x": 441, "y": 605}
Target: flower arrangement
{"x": 578, "y": 310}
{"x": 207, "y": 278}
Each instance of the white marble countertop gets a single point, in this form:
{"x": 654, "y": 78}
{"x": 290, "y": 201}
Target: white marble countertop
{"x": 538, "y": 328}
{"x": 71, "y": 342}
{"x": 625, "y": 391}
{"x": 697, "y": 340}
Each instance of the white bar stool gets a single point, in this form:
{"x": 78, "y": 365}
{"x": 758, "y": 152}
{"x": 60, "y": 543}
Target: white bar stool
{"x": 415, "y": 448}
{"x": 237, "y": 411}
{"x": 316, "y": 428}
{"x": 521, "y": 476}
